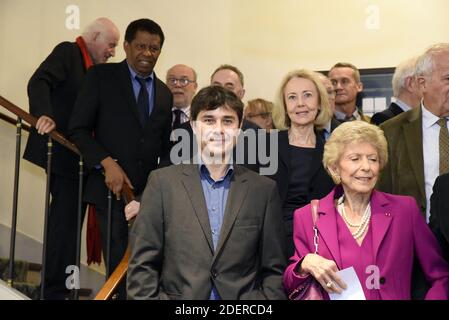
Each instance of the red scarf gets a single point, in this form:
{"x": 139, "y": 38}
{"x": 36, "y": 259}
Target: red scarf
{"x": 86, "y": 57}
{"x": 93, "y": 239}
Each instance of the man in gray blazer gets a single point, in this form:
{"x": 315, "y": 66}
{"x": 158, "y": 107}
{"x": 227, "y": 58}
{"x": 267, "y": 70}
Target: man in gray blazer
{"x": 209, "y": 229}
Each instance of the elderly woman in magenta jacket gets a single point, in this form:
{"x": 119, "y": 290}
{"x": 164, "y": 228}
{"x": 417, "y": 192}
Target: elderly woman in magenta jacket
{"x": 364, "y": 228}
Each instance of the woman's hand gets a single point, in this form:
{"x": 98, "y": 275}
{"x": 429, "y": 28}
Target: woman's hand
{"x": 324, "y": 271}
{"x": 132, "y": 209}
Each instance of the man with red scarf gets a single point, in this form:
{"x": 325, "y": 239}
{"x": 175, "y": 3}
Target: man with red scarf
{"x": 52, "y": 92}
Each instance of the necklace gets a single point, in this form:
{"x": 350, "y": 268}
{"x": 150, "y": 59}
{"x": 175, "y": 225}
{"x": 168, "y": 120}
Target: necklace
{"x": 364, "y": 223}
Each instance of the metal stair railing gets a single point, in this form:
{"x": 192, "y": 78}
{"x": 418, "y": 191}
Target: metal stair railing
{"x": 107, "y": 291}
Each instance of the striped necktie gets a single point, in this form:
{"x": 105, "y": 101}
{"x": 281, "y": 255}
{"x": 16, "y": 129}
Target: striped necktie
{"x": 444, "y": 146}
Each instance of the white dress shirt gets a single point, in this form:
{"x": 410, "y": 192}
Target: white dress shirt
{"x": 185, "y": 114}
{"x": 405, "y": 107}
{"x": 431, "y": 152}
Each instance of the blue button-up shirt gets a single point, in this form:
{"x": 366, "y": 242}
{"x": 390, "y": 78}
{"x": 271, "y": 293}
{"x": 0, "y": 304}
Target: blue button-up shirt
{"x": 216, "y": 194}
{"x": 136, "y": 87}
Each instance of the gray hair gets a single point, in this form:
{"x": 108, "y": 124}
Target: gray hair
{"x": 195, "y": 75}
{"x": 403, "y": 71}
{"x": 232, "y": 68}
{"x": 100, "y": 25}
{"x": 354, "y": 131}
{"x": 426, "y": 62}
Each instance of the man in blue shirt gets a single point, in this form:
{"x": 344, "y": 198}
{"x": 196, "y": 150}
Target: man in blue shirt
{"x": 127, "y": 108}
{"x": 209, "y": 229}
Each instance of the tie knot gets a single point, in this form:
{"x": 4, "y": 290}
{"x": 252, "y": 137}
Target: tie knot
{"x": 143, "y": 81}
{"x": 177, "y": 112}
{"x": 442, "y": 122}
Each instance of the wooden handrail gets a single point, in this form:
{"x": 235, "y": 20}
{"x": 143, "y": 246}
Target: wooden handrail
{"x": 119, "y": 273}
{"x": 55, "y": 135}
{"x": 107, "y": 291}
{"x": 14, "y": 121}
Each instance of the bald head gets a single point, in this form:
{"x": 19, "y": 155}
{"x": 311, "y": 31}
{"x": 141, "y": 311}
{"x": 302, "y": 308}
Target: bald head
{"x": 101, "y": 38}
{"x": 182, "y": 93}
{"x": 229, "y": 77}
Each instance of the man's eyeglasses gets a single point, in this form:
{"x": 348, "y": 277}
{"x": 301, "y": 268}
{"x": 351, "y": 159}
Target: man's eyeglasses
{"x": 181, "y": 82}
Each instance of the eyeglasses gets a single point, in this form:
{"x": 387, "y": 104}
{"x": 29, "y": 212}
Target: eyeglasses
{"x": 181, "y": 82}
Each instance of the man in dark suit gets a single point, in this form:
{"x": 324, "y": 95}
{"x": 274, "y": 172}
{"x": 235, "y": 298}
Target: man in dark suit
{"x": 439, "y": 212}
{"x": 405, "y": 90}
{"x": 209, "y": 229}
{"x": 181, "y": 80}
{"x": 231, "y": 78}
{"x": 345, "y": 78}
{"x": 52, "y": 91}
{"x": 413, "y": 137}
{"x": 128, "y": 109}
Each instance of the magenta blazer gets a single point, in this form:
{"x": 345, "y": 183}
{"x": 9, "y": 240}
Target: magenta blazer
{"x": 399, "y": 232}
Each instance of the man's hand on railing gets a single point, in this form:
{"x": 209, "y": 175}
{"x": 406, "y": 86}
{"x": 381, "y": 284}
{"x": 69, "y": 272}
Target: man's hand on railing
{"x": 132, "y": 209}
{"x": 115, "y": 176}
{"x": 45, "y": 125}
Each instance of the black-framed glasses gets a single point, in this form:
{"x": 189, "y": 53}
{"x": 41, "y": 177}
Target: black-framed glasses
{"x": 181, "y": 82}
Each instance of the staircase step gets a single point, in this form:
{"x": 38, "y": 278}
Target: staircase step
{"x": 27, "y": 277}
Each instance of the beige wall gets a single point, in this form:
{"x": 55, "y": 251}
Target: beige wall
{"x": 264, "y": 38}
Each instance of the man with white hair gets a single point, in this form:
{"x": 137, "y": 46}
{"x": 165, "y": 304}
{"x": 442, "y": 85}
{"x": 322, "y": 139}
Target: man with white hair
{"x": 405, "y": 91}
{"x": 52, "y": 91}
{"x": 418, "y": 140}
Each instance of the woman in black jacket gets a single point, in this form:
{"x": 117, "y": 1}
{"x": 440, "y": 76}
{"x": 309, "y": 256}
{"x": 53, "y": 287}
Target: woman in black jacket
{"x": 302, "y": 110}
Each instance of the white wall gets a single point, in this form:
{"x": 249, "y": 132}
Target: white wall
{"x": 264, "y": 38}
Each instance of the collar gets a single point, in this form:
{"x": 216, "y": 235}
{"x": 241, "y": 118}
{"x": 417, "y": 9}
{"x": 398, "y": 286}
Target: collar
{"x": 342, "y": 116}
{"x": 405, "y": 107}
{"x": 84, "y": 52}
{"x": 204, "y": 172}
{"x": 428, "y": 118}
{"x": 185, "y": 110}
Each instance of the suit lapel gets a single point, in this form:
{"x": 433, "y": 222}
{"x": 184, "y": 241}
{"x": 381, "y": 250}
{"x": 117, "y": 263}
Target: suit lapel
{"x": 192, "y": 185}
{"x": 236, "y": 197}
{"x": 380, "y": 219}
{"x": 317, "y": 157}
{"x": 284, "y": 150}
{"x": 395, "y": 109}
{"x": 413, "y": 142}
{"x": 327, "y": 224}
{"x": 334, "y": 124}
{"x": 327, "y": 227}
{"x": 126, "y": 84}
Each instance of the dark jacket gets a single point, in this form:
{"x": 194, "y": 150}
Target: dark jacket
{"x": 52, "y": 91}
{"x": 106, "y": 106}
{"x": 173, "y": 255}
{"x": 392, "y": 111}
